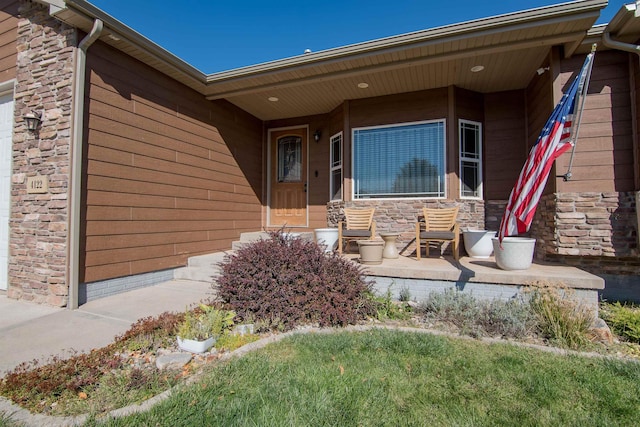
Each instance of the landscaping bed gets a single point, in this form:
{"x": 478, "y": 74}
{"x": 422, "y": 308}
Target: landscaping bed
{"x": 295, "y": 286}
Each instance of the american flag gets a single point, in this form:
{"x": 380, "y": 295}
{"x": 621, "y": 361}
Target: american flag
{"x": 556, "y": 138}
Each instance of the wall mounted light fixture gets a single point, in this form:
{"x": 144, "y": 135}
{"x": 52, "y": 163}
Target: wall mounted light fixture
{"x": 316, "y": 135}
{"x": 33, "y": 120}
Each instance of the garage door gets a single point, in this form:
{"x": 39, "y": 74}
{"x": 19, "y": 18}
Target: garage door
{"x": 6, "y": 131}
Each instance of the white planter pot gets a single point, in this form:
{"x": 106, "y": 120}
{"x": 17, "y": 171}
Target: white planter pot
{"x": 516, "y": 252}
{"x": 327, "y": 237}
{"x": 196, "y": 346}
{"x": 371, "y": 251}
{"x": 478, "y": 243}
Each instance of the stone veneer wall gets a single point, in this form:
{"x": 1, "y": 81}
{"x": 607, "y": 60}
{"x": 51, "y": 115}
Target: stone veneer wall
{"x": 401, "y": 215}
{"x": 597, "y": 232}
{"x": 587, "y": 224}
{"x": 493, "y": 211}
{"x": 39, "y": 222}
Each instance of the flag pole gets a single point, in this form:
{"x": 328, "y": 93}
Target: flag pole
{"x": 582, "y": 90}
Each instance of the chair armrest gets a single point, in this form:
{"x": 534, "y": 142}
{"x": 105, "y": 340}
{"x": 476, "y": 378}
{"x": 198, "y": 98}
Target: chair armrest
{"x": 373, "y": 229}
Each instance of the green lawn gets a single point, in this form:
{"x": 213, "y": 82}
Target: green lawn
{"x": 391, "y": 378}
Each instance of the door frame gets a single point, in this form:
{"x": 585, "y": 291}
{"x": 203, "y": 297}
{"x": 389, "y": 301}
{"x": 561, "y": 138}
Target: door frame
{"x": 271, "y": 163}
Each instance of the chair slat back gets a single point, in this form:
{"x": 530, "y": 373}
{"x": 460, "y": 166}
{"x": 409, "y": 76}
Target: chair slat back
{"x": 441, "y": 219}
{"x": 359, "y": 219}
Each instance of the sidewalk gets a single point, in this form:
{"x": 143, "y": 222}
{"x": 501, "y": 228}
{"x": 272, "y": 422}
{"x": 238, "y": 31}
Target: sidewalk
{"x": 30, "y": 331}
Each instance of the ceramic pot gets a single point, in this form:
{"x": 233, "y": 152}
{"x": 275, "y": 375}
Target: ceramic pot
{"x": 390, "y": 249}
{"x": 478, "y": 243}
{"x": 371, "y": 251}
{"x": 516, "y": 253}
{"x": 327, "y": 237}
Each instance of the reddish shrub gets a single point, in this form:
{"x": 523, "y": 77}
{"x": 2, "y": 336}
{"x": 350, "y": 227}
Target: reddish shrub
{"x": 286, "y": 281}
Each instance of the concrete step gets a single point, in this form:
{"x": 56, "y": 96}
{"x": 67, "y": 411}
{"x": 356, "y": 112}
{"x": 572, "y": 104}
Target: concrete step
{"x": 201, "y": 268}
{"x": 204, "y": 268}
{"x": 253, "y": 236}
{"x": 262, "y": 235}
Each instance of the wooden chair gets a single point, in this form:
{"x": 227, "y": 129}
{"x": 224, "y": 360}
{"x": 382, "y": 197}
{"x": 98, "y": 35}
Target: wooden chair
{"x": 358, "y": 224}
{"x": 439, "y": 225}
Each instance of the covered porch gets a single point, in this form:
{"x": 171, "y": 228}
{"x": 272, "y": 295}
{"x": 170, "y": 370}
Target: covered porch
{"x": 480, "y": 277}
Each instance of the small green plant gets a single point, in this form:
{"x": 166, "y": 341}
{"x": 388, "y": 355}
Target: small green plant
{"x": 387, "y": 309}
{"x": 232, "y": 342}
{"x": 512, "y": 318}
{"x": 405, "y": 294}
{"x": 204, "y": 322}
{"x": 623, "y": 319}
{"x": 453, "y": 306}
{"x": 562, "y": 320}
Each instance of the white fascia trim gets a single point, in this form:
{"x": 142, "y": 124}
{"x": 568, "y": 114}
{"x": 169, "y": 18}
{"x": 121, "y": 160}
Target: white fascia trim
{"x": 115, "y": 27}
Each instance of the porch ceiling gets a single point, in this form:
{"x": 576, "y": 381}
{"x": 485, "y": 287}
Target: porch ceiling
{"x": 510, "y": 47}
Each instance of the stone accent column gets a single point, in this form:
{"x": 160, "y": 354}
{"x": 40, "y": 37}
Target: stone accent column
{"x": 39, "y": 221}
{"x": 597, "y": 224}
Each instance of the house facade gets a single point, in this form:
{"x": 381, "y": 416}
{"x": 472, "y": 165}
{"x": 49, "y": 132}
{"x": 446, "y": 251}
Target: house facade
{"x": 141, "y": 161}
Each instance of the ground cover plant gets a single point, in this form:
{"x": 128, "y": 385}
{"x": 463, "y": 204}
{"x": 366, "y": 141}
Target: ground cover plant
{"x": 112, "y": 377}
{"x": 41, "y": 387}
{"x": 391, "y": 378}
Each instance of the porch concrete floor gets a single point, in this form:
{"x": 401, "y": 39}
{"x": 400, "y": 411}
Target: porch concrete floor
{"x": 477, "y": 270}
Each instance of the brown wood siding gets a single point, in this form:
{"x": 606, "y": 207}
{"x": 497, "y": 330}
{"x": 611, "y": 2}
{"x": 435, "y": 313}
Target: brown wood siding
{"x": 168, "y": 174}
{"x": 505, "y": 148}
{"x": 8, "y": 36}
{"x": 635, "y": 108}
{"x": 604, "y": 157}
{"x": 394, "y": 109}
{"x": 469, "y": 105}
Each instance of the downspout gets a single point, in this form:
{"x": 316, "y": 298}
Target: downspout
{"x": 76, "y": 161}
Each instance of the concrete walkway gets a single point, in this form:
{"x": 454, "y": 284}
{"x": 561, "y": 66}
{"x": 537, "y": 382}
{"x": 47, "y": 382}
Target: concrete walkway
{"x": 30, "y": 331}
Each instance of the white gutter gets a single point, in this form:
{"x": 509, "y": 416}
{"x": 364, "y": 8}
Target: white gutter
{"x": 75, "y": 186}
{"x": 625, "y": 15}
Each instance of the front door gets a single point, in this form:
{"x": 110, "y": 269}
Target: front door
{"x": 288, "y": 196}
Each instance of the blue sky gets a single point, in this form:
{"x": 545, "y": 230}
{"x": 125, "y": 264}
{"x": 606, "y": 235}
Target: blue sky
{"x": 215, "y": 35}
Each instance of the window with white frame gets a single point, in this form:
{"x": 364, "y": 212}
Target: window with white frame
{"x": 399, "y": 161}
{"x": 335, "y": 167}
{"x": 470, "y": 159}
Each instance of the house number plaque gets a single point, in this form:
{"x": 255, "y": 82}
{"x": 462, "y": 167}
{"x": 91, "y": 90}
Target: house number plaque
{"x": 37, "y": 184}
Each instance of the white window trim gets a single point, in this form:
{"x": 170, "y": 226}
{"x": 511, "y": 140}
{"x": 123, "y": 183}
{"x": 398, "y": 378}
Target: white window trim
{"x": 334, "y": 168}
{"x": 468, "y": 159}
{"x": 393, "y": 125}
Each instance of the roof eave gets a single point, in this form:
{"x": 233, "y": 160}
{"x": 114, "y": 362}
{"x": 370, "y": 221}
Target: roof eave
{"x": 81, "y": 14}
{"x": 394, "y": 42}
